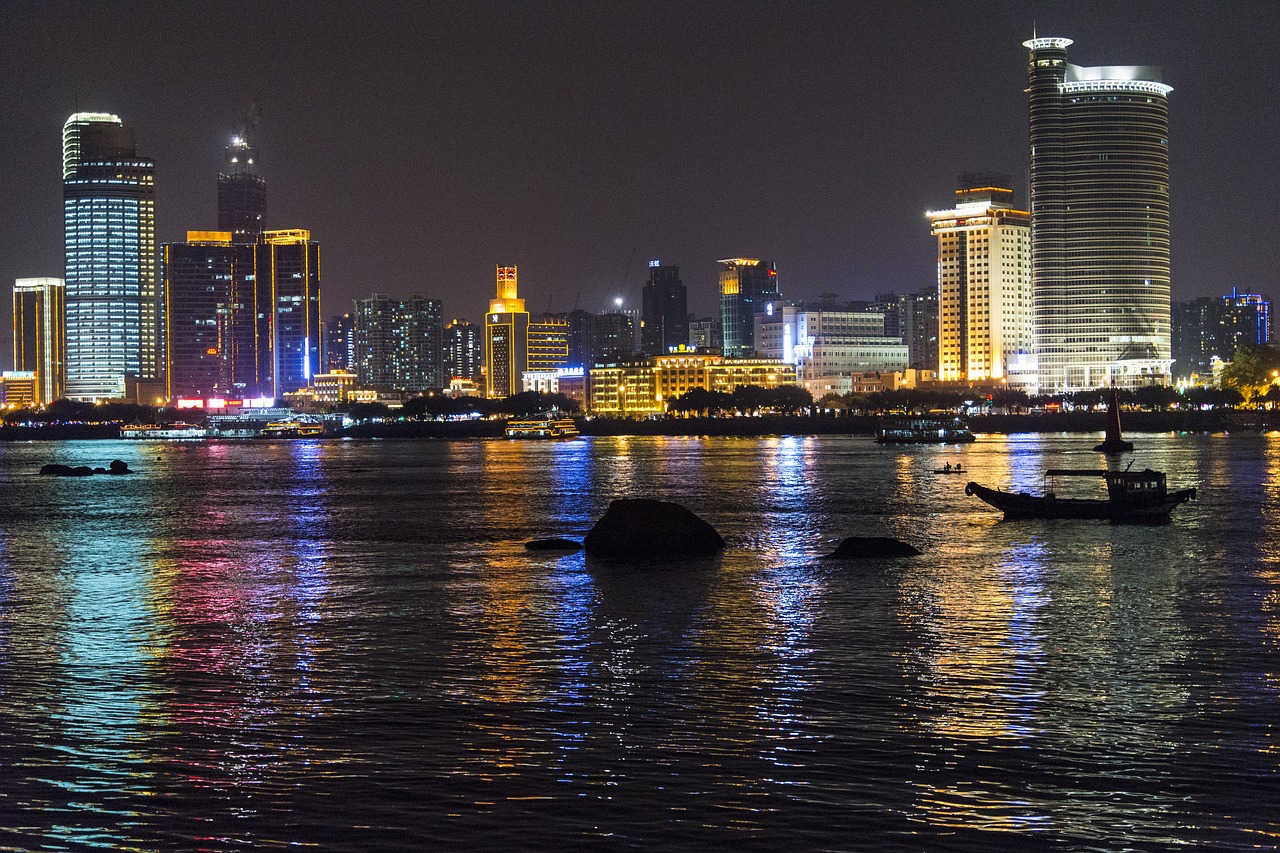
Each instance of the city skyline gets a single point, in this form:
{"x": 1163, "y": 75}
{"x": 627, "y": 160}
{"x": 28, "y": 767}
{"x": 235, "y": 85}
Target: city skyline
{"x": 564, "y": 147}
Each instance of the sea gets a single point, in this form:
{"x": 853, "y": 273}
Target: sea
{"x": 345, "y": 645}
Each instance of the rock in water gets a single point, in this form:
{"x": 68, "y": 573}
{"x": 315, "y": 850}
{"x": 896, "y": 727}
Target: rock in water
{"x": 52, "y": 470}
{"x": 639, "y": 528}
{"x": 869, "y": 547}
{"x": 118, "y": 467}
{"x": 553, "y": 544}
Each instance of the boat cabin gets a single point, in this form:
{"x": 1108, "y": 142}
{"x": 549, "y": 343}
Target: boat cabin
{"x": 1121, "y": 485}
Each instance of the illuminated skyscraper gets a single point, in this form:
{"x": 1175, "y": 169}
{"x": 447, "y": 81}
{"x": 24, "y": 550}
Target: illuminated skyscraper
{"x": 463, "y": 351}
{"x": 242, "y": 194}
{"x": 289, "y": 293}
{"x": 665, "y": 315}
{"x": 400, "y": 343}
{"x": 748, "y": 286}
{"x": 1099, "y": 221}
{"x": 112, "y": 299}
{"x": 340, "y": 343}
{"x": 984, "y": 281}
{"x": 506, "y": 338}
{"x": 548, "y": 343}
{"x": 40, "y": 334}
{"x": 213, "y": 327}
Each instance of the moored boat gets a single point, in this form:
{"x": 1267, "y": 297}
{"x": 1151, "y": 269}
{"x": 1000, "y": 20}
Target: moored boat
{"x": 293, "y": 428}
{"x": 924, "y": 430}
{"x": 164, "y": 432}
{"x": 1132, "y": 496}
{"x": 542, "y": 426}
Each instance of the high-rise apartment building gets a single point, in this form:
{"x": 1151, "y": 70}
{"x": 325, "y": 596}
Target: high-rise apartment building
{"x": 40, "y": 335}
{"x": 748, "y": 286}
{"x": 217, "y": 327}
{"x": 612, "y": 337}
{"x": 289, "y": 264}
{"x": 400, "y": 343}
{"x": 984, "y": 281}
{"x": 506, "y": 338}
{"x": 918, "y": 323}
{"x": 112, "y": 296}
{"x": 242, "y": 193}
{"x": 1208, "y": 329}
{"x": 548, "y": 344}
{"x": 463, "y": 351}
{"x": 1100, "y": 221}
{"x": 665, "y": 313}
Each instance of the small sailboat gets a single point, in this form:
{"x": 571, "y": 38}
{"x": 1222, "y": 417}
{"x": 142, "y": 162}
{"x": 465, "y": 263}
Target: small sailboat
{"x": 1113, "y": 442}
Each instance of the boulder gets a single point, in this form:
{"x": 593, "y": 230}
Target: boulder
{"x": 81, "y": 471}
{"x": 640, "y": 528}
{"x": 118, "y": 467}
{"x": 553, "y": 544}
{"x": 52, "y": 470}
{"x": 870, "y": 547}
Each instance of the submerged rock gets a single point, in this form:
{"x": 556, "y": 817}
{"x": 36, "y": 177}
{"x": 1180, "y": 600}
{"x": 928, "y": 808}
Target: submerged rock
{"x": 639, "y": 528}
{"x": 553, "y": 544}
{"x": 869, "y": 547}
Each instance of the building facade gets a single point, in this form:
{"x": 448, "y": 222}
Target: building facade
{"x": 748, "y": 286}
{"x": 289, "y": 260}
{"x": 646, "y": 386}
{"x": 216, "y": 337}
{"x": 918, "y": 323}
{"x": 1100, "y": 221}
{"x": 340, "y": 343}
{"x": 242, "y": 193}
{"x": 984, "y": 282}
{"x": 40, "y": 335}
{"x": 826, "y": 342}
{"x": 664, "y": 320}
{"x": 506, "y": 337}
{"x": 463, "y": 351}
{"x": 112, "y": 296}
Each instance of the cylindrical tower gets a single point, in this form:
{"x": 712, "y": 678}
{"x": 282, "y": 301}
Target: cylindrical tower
{"x": 1100, "y": 221}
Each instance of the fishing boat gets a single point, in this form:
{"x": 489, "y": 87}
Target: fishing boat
{"x": 542, "y": 426}
{"x": 951, "y": 469}
{"x": 924, "y": 430}
{"x": 1132, "y": 496}
{"x": 1113, "y": 442}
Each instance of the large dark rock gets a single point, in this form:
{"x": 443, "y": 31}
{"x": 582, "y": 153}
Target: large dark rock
{"x": 81, "y": 471}
{"x": 870, "y": 547}
{"x": 640, "y": 528}
{"x": 52, "y": 470}
{"x": 119, "y": 467}
{"x": 553, "y": 544}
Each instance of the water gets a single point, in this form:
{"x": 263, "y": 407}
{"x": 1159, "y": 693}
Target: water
{"x": 345, "y": 645}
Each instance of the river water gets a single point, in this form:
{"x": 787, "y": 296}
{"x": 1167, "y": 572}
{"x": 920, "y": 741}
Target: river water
{"x": 344, "y": 645}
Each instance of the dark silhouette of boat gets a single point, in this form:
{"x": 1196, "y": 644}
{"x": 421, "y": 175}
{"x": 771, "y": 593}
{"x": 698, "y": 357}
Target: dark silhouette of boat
{"x": 1132, "y": 496}
{"x": 1113, "y": 442}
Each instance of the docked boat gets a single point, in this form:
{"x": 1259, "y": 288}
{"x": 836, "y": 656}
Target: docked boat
{"x": 542, "y": 426}
{"x": 164, "y": 432}
{"x": 293, "y": 428}
{"x": 924, "y": 430}
{"x": 1132, "y": 496}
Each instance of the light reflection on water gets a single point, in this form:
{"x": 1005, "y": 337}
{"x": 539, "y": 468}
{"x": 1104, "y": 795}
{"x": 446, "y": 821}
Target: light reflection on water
{"x": 346, "y": 644}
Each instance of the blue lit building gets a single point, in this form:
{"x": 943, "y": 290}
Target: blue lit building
{"x": 289, "y": 267}
{"x": 748, "y": 286}
{"x": 112, "y": 297}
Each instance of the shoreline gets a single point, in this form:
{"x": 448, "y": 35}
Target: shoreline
{"x": 1220, "y": 420}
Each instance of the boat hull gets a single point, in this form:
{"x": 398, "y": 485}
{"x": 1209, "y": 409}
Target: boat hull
{"x": 1015, "y": 505}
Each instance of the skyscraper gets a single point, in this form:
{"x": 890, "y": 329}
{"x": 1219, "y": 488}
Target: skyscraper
{"x": 463, "y": 351}
{"x": 748, "y": 286}
{"x": 665, "y": 313}
{"x": 242, "y": 194}
{"x": 340, "y": 343}
{"x": 112, "y": 299}
{"x": 984, "y": 280}
{"x": 1099, "y": 220}
{"x": 400, "y": 343}
{"x": 289, "y": 294}
{"x": 213, "y": 326}
{"x": 506, "y": 338}
{"x": 40, "y": 334}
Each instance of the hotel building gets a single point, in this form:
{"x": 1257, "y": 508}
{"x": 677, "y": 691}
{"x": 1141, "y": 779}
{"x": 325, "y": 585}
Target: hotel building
{"x": 1099, "y": 221}
{"x": 645, "y": 386}
{"x": 748, "y": 286}
{"x": 984, "y": 282}
{"x": 40, "y": 335}
{"x": 506, "y": 338}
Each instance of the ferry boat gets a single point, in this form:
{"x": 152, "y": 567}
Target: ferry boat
{"x": 542, "y": 426}
{"x": 924, "y": 429}
{"x": 1132, "y": 496}
{"x": 293, "y": 428}
{"x": 164, "y": 432}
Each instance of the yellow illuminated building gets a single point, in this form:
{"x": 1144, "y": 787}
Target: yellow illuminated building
{"x": 40, "y": 335}
{"x": 506, "y": 338}
{"x": 647, "y": 386}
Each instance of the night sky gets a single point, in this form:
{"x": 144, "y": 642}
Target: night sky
{"x": 423, "y": 143}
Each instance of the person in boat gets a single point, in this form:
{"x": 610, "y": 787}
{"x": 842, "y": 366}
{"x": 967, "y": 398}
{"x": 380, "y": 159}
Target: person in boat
{"x": 947, "y": 467}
